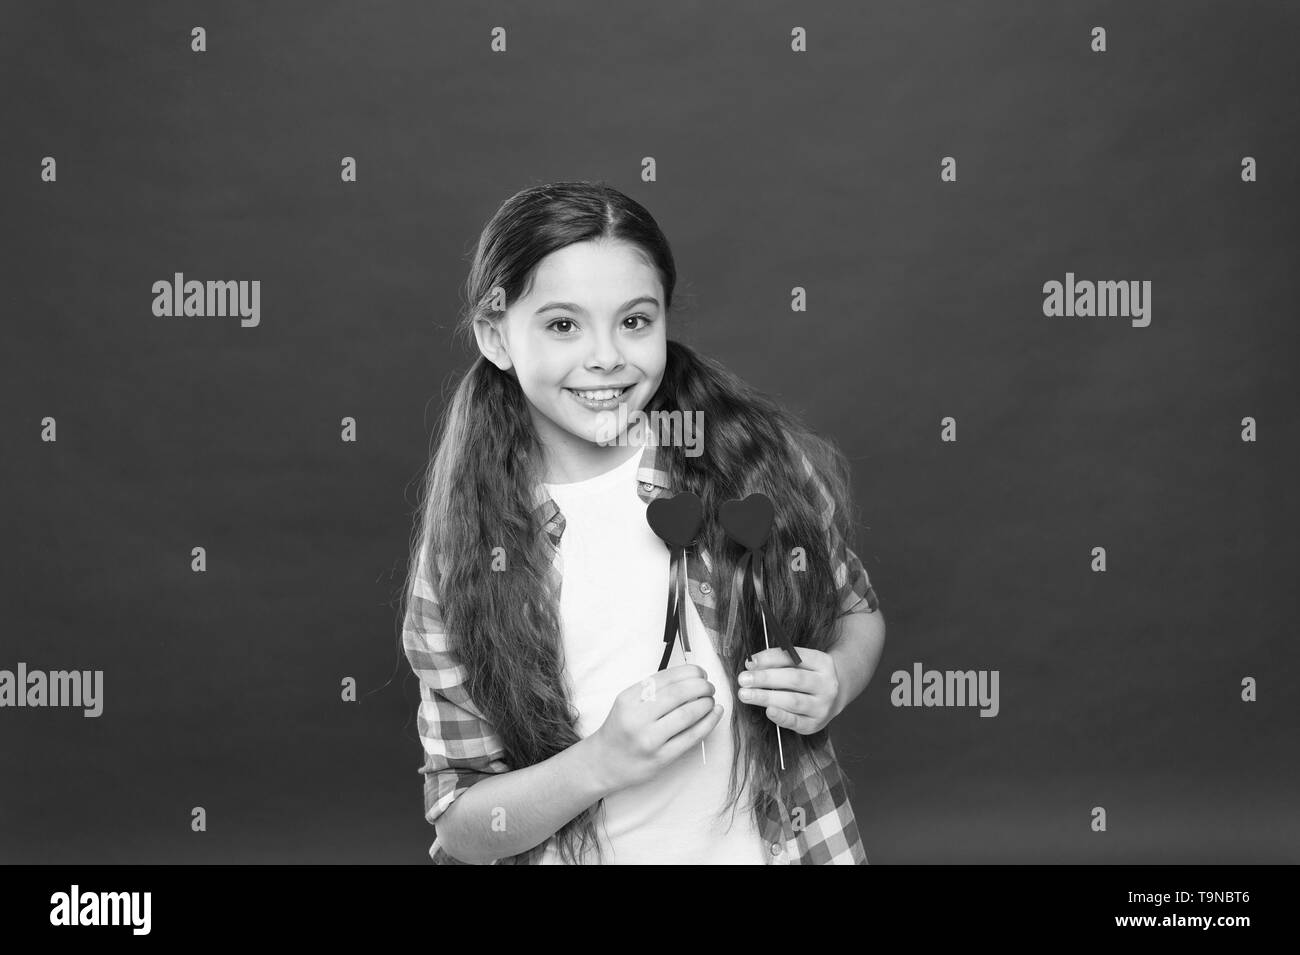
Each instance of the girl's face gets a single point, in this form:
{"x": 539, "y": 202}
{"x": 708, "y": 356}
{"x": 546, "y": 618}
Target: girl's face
{"x": 593, "y": 319}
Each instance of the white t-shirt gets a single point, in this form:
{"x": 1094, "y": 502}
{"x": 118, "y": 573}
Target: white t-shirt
{"x": 612, "y": 604}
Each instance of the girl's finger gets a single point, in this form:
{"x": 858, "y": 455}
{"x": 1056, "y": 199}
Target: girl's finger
{"x": 790, "y": 721}
{"x": 800, "y": 703}
{"x": 780, "y": 678}
{"x": 774, "y": 657}
{"x": 692, "y": 735}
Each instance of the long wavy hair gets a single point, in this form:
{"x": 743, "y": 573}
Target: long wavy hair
{"x": 478, "y": 495}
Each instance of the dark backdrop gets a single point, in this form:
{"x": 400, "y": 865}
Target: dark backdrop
{"x": 774, "y": 169}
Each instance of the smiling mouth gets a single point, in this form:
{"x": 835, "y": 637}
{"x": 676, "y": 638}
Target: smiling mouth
{"x": 600, "y": 394}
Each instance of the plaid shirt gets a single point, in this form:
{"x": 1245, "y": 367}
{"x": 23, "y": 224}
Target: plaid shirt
{"x": 462, "y": 748}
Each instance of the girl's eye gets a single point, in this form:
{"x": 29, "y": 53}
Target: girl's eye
{"x": 569, "y": 321}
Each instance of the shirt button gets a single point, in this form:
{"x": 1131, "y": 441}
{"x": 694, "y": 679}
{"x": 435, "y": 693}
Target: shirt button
{"x": 647, "y": 486}
{"x": 705, "y": 588}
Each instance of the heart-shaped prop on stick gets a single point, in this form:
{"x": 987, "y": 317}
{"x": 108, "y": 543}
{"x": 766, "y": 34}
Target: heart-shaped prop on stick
{"x": 676, "y": 520}
{"x": 748, "y": 522}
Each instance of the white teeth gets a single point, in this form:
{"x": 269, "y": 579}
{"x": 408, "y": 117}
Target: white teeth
{"x": 599, "y": 395}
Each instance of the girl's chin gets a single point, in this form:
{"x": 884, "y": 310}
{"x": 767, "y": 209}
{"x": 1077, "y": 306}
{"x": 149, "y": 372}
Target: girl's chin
{"x": 611, "y": 428}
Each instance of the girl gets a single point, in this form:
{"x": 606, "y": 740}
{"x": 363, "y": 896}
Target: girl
{"x": 534, "y": 611}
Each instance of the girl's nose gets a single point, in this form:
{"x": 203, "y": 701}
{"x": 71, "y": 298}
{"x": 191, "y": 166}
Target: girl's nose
{"x": 605, "y": 355}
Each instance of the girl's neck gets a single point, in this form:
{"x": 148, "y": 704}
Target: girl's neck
{"x": 577, "y": 460}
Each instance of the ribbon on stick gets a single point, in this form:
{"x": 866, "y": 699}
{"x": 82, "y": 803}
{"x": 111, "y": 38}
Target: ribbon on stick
{"x": 748, "y": 522}
{"x": 676, "y": 520}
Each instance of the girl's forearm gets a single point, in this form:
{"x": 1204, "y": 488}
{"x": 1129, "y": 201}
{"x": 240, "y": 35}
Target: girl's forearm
{"x": 859, "y": 643}
{"x": 513, "y": 812}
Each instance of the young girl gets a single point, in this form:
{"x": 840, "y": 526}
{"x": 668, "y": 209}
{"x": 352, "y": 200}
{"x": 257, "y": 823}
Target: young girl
{"x": 534, "y": 612}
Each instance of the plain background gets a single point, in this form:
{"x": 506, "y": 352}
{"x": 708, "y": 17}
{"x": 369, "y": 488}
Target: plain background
{"x": 775, "y": 169}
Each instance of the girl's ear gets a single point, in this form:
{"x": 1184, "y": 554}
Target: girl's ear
{"x": 492, "y": 343}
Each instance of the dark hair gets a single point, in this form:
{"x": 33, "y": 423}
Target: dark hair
{"x": 478, "y": 495}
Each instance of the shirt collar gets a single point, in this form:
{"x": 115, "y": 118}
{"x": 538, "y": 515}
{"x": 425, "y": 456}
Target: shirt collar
{"x": 651, "y": 477}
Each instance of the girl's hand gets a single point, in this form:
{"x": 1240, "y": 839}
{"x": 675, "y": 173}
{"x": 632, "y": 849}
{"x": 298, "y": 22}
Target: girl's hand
{"x": 651, "y": 724}
{"x": 801, "y": 698}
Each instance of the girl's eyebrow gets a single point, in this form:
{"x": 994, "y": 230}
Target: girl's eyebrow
{"x": 574, "y": 307}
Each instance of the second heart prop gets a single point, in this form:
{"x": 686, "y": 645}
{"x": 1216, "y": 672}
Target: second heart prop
{"x": 748, "y": 522}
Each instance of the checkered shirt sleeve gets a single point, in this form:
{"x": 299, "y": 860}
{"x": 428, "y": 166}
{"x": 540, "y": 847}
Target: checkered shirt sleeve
{"x": 856, "y": 595}
{"x": 461, "y": 748}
